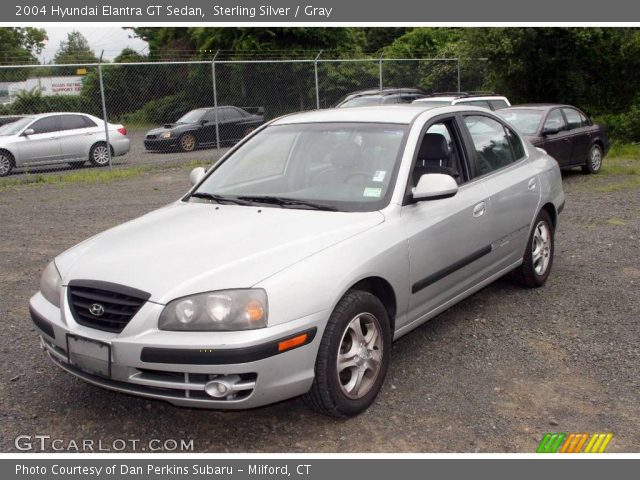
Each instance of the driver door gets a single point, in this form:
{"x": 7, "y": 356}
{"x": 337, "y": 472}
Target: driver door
{"x": 43, "y": 145}
{"x": 558, "y": 145}
{"x": 449, "y": 239}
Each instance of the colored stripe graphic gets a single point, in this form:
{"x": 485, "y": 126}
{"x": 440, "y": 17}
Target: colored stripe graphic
{"x": 551, "y": 442}
{"x": 573, "y": 442}
{"x": 598, "y": 443}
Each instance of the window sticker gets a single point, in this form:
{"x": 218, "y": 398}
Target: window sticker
{"x": 372, "y": 192}
{"x": 379, "y": 175}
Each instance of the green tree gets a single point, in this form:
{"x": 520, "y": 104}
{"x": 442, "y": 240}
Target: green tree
{"x": 75, "y": 49}
{"x": 19, "y": 46}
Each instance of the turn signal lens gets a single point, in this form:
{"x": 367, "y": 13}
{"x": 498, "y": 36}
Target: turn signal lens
{"x": 293, "y": 342}
{"x": 254, "y": 311}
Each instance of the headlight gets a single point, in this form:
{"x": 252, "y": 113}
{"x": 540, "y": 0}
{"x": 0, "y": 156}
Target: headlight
{"x": 165, "y": 135}
{"x": 222, "y": 310}
{"x": 51, "y": 284}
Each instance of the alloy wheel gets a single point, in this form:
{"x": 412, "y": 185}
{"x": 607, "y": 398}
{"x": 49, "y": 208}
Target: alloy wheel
{"x": 101, "y": 155}
{"x": 188, "y": 143}
{"x": 541, "y": 249}
{"x": 5, "y": 164}
{"x": 360, "y": 356}
{"x": 595, "y": 159}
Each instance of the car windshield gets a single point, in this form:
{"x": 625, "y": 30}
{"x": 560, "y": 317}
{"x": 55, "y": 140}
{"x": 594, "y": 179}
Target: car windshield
{"x": 361, "y": 102}
{"x": 15, "y": 127}
{"x": 193, "y": 116}
{"x": 526, "y": 121}
{"x": 339, "y": 166}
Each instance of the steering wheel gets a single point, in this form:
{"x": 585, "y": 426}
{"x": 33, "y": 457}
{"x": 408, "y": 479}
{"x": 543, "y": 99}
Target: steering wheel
{"x": 366, "y": 176}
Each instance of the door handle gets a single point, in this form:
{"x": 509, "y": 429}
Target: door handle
{"x": 532, "y": 184}
{"x": 478, "y": 210}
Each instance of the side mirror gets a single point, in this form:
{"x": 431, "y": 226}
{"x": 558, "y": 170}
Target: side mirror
{"x": 433, "y": 186}
{"x": 196, "y": 175}
{"x": 550, "y": 130}
{"x": 28, "y": 131}
{"x": 204, "y": 122}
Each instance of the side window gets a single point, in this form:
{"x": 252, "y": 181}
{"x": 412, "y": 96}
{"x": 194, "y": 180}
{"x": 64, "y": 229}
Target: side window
{"x": 516, "y": 144}
{"x": 440, "y": 152}
{"x": 491, "y": 142}
{"x": 88, "y": 123}
{"x": 584, "y": 120}
{"x": 232, "y": 115}
{"x": 555, "y": 120}
{"x": 210, "y": 116}
{"x": 498, "y": 104}
{"x": 71, "y": 122}
{"x": 573, "y": 118}
{"x": 45, "y": 125}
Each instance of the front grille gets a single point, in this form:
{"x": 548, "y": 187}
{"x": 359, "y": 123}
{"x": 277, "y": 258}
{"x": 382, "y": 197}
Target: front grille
{"x": 104, "y": 306}
{"x": 151, "y": 137}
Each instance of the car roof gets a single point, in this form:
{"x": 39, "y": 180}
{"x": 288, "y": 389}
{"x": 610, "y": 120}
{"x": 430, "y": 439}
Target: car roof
{"x": 400, "y": 114}
{"x": 537, "y": 106}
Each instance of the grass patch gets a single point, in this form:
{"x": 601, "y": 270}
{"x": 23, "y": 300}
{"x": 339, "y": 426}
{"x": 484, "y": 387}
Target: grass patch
{"x": 620, "y": 169}
{"x": 95, "y": 175}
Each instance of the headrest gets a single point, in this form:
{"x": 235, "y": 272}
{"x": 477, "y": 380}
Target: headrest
{"x": 433, "y": 147}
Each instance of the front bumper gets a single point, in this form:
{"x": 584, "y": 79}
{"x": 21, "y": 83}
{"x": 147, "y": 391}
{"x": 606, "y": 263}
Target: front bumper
{"x": 176, "y": 366}
{"x": 161, "y": 144}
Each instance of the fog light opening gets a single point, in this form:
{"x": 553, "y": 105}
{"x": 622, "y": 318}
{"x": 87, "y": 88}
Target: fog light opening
{"x": 223, "y": 387}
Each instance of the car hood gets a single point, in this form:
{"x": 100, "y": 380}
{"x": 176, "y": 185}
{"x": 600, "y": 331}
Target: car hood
{"x": 171, "y": 127}
{"x": 187, "y": 248}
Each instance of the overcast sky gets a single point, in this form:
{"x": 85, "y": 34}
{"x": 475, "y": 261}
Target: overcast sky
{"x": 110, "y": 39}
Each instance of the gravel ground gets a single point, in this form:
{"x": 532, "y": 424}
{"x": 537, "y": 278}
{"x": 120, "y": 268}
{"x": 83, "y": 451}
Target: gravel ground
{"x": 492, "y": 374}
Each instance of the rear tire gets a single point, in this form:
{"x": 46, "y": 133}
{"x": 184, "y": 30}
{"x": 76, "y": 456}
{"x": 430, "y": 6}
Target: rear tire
{"x": 7, "y": 163}
{"x": 353, "y": 357}
{"x": 99, "y": 155}
{"x": 538, "y": 257}
{"x": 594, "y": 160}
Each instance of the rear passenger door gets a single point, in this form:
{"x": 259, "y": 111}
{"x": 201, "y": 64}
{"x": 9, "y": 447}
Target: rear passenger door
{"x": 76, "y": 136}
{"x": 579, "y": 133}
{"x": 557, "y": 144}
{"x": 513, "y": 188}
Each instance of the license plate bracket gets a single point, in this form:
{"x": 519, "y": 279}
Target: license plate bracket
{"x": 92, "y": 356}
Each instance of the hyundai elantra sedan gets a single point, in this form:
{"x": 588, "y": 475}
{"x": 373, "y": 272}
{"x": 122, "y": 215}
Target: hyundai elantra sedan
{"x": 293, "y": 263}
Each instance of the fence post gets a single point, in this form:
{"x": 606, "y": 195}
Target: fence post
{"x": 315, "y": 68}
{"x": 215, "y": 100}
{"x": 380, "y": 69}
{"x": 458, "y": 64}
{"x": 104, "y": 110}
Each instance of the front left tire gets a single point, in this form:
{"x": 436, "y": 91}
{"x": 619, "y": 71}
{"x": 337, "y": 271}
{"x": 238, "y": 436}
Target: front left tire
{"x": 353, "y": 357}
{"x": 7, "y": 163}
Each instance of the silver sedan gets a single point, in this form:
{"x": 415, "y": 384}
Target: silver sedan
{"x": 54, "y": 138}
{"x": 293, "y": 263}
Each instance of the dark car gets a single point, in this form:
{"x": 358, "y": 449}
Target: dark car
{"x": 565, "y": 132}
{"x": 198, "y": 129}
{"x": 4, "y": 119}
{"x": 376, "y": 96}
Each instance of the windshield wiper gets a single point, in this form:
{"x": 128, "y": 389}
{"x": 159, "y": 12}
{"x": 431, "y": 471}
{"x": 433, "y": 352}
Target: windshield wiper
{"x": 220, "y": 198}
{"x": 288, "y": 202}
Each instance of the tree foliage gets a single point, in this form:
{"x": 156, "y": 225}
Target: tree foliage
{"x": 75, "y": 49}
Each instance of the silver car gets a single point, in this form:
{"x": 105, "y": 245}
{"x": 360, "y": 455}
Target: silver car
{"x": 53, "y": 138}
{"x": 292, "y": 264}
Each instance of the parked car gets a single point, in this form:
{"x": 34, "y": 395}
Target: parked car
{"x": 53, "y": 138}
{"x": 292, "y": 264}
{"x": 565, "y": 132}
{"x": 376, "y": 96}
{"x": 489, "y": 100}
{"x": 198, "y": 129}
{"x": 4, "y": 119}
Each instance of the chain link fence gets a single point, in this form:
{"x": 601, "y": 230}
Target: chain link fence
{"x": 141, "y": 110}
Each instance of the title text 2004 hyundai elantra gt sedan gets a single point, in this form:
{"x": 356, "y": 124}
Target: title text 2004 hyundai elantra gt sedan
{"x": 293, "y": 263}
